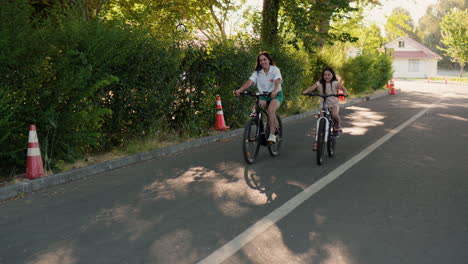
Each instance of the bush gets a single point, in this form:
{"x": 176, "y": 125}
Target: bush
{"x": 296, "y": 69}
{"x": 91, "y": 85}
{"x": 20, "y": 61}
{"x": 366, "y": 73}
{"x": 147, "y": 70}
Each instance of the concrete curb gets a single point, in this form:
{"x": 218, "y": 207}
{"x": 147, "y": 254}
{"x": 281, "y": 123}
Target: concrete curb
{"x": 18, "y": 189}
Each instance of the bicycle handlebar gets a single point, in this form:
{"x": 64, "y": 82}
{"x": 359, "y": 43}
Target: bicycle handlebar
{"x": 325, "y": 96}
{"x": 255, "y": 94}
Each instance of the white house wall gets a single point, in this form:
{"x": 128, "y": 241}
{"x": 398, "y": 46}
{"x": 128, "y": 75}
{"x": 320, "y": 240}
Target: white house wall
{"x": 408, "y": 47}
{"x": 427, "y": 68}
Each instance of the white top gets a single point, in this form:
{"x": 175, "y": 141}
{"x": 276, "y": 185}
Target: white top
{"x": 266, "y": 81}
{"x": 331, "y": 88}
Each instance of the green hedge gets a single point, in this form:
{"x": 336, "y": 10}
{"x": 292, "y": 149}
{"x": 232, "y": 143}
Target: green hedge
{"x": 92, "y": 85}
{"x": 450, "y": 79}
{"x": 367, "y": 72}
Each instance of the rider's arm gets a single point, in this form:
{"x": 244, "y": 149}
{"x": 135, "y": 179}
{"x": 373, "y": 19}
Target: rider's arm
{"x": 310, "y": 89}
{"x": 275, "y": 89}
{"x": 246, "y": 85}
{"x": 341, "y": 87}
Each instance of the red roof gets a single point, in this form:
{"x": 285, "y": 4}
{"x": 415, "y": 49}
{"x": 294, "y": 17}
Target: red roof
{"x": 424, "y": 52}
{"x": 411, "y": 55}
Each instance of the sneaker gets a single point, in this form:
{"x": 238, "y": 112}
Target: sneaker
{"x": 272, "y": 138}
{"x": 315, "y": 146}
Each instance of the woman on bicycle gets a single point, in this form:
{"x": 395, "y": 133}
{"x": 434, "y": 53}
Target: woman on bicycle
{"x": 268, "y": 78}
{"x": 329, "y": 85}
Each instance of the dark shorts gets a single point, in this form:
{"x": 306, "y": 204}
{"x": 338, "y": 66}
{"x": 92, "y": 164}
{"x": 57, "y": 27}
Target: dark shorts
{"x": 279, "y": 97}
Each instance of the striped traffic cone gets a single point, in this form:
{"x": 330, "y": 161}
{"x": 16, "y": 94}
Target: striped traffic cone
{"x": 220, "y": 125}
{"x": 392, "y": 86}
{"x": 341, "y": 95}
{"x": 34, "y": 167}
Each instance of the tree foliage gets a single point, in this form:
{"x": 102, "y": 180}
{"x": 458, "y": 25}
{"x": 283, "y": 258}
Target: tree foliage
{"x": 307, "y": 23}
{"x": 454, "y": 33}
{"x": 168, "y": 18}
{"x": 400, "y": 24}
{"x": 428, "y": 29}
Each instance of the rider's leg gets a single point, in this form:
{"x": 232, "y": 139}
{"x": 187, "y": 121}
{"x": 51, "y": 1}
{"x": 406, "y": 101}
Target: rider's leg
{"x": 336, "y": 117}
{"x": 274, "y": 105}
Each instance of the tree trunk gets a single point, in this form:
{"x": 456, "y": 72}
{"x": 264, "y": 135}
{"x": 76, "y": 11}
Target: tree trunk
{"x": 269, "y": 31}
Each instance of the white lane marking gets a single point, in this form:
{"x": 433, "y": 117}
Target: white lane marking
{"x": 263, "y": 224}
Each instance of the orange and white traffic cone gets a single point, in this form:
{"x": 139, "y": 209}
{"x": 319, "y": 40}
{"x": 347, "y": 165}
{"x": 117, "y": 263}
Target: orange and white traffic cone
{"x": 341, "y": 95}
{"x": 392, "y": 86}
{"x": 220, "y": 124}
{"x": 34, "y": 167}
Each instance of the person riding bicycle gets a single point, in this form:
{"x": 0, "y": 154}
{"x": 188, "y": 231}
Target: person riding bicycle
{"x": 268, "y": 78}
{"x": 329, "y": 84}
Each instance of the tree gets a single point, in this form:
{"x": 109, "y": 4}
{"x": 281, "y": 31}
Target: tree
{"x": 454, "y": 36}
{"x": 269, "y": 30}
{"x": 363, "y": 38}
{"x": 428, "y": 28}
{"x": 86, "y": 9}
{"x": 400, "y": 24}
{"x": 370, "y": 39}
{"x": 207, "y": 17}
{"x": 312, "y": 20}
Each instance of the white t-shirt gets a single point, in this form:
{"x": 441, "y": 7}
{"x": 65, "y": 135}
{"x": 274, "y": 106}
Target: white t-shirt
{"x": 266, "y": 82}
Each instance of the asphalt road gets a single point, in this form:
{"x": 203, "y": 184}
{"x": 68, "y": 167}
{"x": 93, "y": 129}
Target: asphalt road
{"x": 396, "y": 192}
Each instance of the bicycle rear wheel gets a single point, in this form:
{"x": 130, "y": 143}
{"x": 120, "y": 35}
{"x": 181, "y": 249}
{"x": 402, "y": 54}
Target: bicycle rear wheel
{"x": 320, "y": 141}
{"x": 250, "y": 144}
{"x": 274, "y": 148}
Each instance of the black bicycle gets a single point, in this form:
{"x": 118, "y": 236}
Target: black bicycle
{"x": 326, "y": 131}
{"x": 257, "y": 130}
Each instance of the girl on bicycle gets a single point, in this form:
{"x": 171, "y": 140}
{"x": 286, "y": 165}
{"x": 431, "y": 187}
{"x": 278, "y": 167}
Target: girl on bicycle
{"x": 268, "y": 78}
{"x": 329, "y": 84}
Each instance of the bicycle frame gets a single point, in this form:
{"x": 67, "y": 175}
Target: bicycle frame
{"x": 258, "y": 116}
{"x": 325, "y": 114}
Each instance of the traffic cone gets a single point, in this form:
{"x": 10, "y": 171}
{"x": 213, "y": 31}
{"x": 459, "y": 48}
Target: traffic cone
{"x": 220, "y": 125}
{"x": 392, "y": 86}
{"x": 340, "y": 97}
{"x": 34, "y": 167}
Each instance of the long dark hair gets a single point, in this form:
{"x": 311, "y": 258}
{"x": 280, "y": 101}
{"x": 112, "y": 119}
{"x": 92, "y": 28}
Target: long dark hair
{"x": 266, "y": 54}
{"x": 323, "y": 82}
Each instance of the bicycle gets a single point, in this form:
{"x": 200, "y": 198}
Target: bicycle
{"x": 326, "y": 131}
{"x": 257, "y": 130}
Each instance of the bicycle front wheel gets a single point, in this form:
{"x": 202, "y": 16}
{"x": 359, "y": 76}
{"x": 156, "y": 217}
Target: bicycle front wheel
{"x": 320, "y": 141}
{"x": 250, "y": 141}
{"x": 331, "y": 143}
{"x": 274, "y": 148}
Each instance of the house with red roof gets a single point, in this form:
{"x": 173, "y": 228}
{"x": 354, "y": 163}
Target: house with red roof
{"x": 411, "y": 59}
